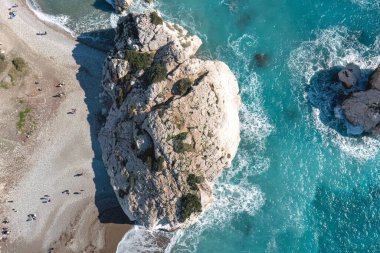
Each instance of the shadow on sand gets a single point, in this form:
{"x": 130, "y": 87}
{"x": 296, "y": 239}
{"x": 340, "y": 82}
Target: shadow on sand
{"x": 90, "y": 61}
{"x": 326, "y": 92}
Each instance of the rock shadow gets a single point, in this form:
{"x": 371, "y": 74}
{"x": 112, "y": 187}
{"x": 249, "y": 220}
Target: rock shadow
{"x": 326, "y": 93}
{"x": 346, "y": 220}
{"x": 103, "y": 5}
{"x": 100, "y": 39}
{"x": 90, "y": 60}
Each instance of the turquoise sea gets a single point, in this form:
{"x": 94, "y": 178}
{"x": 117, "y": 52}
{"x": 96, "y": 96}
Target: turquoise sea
{"x": 296, "y": 184}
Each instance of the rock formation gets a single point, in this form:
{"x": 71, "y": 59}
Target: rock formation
{"x": 121, "y": 5}
{"x": 173, "y": 123}
{"x": 362, "y": 109}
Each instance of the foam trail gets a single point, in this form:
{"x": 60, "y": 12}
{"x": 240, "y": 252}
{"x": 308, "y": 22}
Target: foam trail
{"x": 336, "y": 46}
{"x": 140, "y": 240}
{"x": 60, "y": 21}
{"x": 368, "y": 4}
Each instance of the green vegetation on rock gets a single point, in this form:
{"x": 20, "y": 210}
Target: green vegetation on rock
{"x": 22, "y": 117}
{"x": 19, "y": 64}
{"x": 155, "y": 19}
{"x": 190, "y": 203}
{"x": 179, "y": 146}
{"x": 182, "y": 86}
{"x": 3, "y": 63}
{"x": 193, "y": 180}
{"x": 138, "y": 60}
{"x": 160, "y": 163}
{"x": 156, "y": 73}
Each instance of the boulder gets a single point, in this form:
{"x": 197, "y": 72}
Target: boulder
{"x": 173, "y": 125}
{"x": 122, "y": 6}
{"x": 350, "y": 75}
{"x": 362, "y": 109}
{"x": 374, "y": 79}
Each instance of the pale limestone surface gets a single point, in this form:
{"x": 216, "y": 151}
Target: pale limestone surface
{"x": 145, "y": 130}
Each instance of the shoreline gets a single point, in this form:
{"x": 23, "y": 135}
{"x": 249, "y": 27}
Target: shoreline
{"x": 62, "y": 146}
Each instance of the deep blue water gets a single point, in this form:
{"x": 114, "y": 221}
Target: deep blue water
{"x": 296, "y": 185}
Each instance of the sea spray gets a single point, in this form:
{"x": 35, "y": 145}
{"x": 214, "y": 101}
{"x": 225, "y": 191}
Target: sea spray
{"x": 336, "y": 46}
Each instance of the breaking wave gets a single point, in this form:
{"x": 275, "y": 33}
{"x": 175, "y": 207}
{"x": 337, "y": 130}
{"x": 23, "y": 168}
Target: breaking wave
{"x": 336, "y": 46}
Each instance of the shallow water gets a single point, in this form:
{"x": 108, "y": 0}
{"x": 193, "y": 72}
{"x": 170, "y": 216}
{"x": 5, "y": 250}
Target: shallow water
{"x": 296, "y": 185}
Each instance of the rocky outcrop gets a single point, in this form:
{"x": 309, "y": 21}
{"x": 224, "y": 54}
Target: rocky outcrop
{"x": 173, "y": 122}
{"x": 362, "y": 108}
{"x": 121, "y": 5}
{"x": 374, "y": 79}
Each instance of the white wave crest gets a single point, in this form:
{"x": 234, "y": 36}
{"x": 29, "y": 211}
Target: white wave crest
{"x": 363, "y": 148}
{"x": 141, "y": 240}
{"x": 368, "y": 4}
{"x": 336, "y": 46}
{"x": 230, "y": 199}
{"x": 60, "y": 21}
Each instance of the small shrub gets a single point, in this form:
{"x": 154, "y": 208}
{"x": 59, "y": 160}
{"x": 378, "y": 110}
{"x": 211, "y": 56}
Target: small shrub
{"x": 3, "y": 63}
{"x": 120, "y": 98}
{"x": 181, "y": 87}
{"x": 148, "y": 157}
{"x": 179, "y": 146}
{"x": 138, "y": 60}
{"x": 190, "y": 204}
{"x": 156, "y": 73}
{"x": 5, "y": 85}
{"x": 22, "y": 118}
{"x": 155, "y": 19}
{"x": 193, "y": 180}
{"x": 180, "y": 137}
{"x": 19, "y": 63}
{"x": 160, "y": 163}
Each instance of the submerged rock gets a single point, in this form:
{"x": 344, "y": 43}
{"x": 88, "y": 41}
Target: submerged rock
{"x": 173, "y": 124}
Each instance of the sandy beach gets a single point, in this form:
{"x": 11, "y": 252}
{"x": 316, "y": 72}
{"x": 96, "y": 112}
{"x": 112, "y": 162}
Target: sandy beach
{"x": 62, "y": 153}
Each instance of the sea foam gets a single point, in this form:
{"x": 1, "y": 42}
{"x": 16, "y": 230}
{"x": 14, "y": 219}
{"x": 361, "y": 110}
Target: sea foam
{"x": 60, "y": 21}
{"x": 335, "y": 46}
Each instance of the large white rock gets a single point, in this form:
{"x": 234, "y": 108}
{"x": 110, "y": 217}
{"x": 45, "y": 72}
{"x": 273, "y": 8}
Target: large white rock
{"x": 159, "y": 132}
